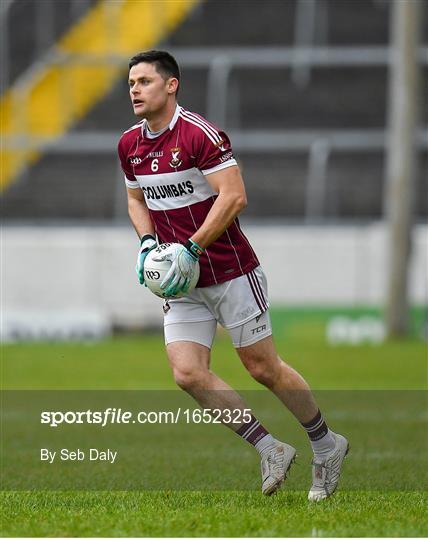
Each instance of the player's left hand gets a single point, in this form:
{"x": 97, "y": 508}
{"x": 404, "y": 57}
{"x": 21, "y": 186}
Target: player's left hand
{"x": 184, "y": 260}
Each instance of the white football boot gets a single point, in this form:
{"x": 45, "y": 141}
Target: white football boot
{"x": 276, "y": 461}
{"x": 326, "y": 473}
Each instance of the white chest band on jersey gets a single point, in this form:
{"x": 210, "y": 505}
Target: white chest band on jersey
{"x": 168, "y": 191}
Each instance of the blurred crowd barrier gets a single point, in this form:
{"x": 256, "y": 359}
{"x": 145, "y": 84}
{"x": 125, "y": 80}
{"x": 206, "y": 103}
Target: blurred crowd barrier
{"x": 65, "y": 282}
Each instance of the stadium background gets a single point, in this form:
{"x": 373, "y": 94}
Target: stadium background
{"x": 303, "y": 92}
{"x": 302, "y": 88}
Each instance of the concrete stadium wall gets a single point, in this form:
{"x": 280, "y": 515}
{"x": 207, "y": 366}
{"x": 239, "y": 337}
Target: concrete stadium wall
{"x": 59, "y": 278}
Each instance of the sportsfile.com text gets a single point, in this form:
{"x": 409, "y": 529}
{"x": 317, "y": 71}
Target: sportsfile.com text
{"x": 118, "y": 416}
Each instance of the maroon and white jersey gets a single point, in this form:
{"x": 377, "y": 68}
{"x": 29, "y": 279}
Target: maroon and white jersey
{"x": 170, "y": 169}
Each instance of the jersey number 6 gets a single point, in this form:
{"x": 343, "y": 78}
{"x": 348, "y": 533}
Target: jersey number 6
{"x": 155, "y": 165}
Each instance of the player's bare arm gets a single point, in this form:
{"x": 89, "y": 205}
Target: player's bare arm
{"x": 230, "y": 201}
{"x": 139, "y": 213}
{"x": 140, "y": 218}
{"x": 229, "y": 185}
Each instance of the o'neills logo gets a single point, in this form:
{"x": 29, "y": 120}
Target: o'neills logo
{"x": 175, "y": 160}
{"x": 135, "y": 160}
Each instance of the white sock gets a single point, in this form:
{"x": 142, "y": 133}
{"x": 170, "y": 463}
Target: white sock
{"x": 265, "y": 443}
{"x": 322, "y": 447}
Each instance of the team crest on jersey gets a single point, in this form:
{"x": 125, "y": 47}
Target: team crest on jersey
{"x": 175, "y": 161}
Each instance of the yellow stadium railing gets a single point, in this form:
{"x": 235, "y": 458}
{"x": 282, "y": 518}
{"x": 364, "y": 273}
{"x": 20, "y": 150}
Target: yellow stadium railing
{"x": 77, "y": 73}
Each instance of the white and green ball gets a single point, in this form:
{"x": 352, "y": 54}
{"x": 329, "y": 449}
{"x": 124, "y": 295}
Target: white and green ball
{"x": 155, "y": 271}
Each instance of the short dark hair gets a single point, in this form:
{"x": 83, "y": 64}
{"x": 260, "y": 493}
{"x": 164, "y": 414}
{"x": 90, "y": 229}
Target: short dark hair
{"x": 165, "y": 64}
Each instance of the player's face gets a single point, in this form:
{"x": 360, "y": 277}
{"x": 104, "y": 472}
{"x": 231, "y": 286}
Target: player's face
{"x": 148, "y": 90}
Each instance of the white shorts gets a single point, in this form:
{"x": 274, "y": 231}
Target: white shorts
{"x": 239, "y": 305}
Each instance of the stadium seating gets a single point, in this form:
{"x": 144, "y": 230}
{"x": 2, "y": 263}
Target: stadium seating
{"x": 25, "y": 45}
{"x": 86, "y": 185}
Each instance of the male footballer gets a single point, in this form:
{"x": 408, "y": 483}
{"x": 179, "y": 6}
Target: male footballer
{"x": 184, "y": 186}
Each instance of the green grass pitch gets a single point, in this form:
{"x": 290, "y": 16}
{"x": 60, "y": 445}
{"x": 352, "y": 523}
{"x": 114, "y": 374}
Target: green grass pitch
{"x": 140, "y": 363}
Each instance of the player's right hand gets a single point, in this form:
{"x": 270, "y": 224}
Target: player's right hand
{"x": 148, "y": 242}
{"x": 184, "y": 259}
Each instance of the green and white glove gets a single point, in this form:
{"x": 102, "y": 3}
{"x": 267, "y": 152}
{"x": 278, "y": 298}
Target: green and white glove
{"x": 148, "y": 242}
{"x": 184, "y": 260}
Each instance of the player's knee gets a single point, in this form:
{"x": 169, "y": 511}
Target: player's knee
{"x": 262, "y": 372}
{"x": 189, "y": 378}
